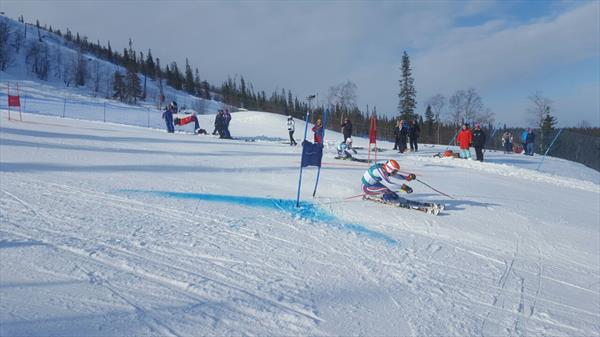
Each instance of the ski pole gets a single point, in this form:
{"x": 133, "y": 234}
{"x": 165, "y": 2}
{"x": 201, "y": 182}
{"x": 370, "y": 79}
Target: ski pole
{"x": 440, "y": 192}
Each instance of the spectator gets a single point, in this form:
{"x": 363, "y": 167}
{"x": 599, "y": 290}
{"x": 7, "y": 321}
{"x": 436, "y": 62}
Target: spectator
{"x": 478, "y": 142}
{"x": 291, "y": 126}
{"x": 217, "y": 123}
{"x": 464, "y": 139}
{"x": 347, "y": 129}
{"x": 414, "y": 131}
{"x": 524, "y": 140}
{"x": 226, "y": 121}
{"x": 220, "y": 123}
{"x": 397, "y": 128}
{"x": 507, "y": 140}
{"x": 403, "y": 136}
{"x": 318, "y": 132}
{"x": 167, "y": 115}
{"x": 529, "y": 142}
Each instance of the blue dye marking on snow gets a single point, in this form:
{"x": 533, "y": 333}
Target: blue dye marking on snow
{"x": 307, "y": 210}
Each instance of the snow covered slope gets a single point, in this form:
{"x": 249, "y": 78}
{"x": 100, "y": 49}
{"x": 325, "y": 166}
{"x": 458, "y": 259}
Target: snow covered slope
{"x": 112, "y": 230}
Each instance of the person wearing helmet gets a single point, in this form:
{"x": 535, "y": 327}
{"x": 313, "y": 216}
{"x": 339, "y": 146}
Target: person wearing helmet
{"x": 376, "y": 180}
{"x": 342, "y": 151}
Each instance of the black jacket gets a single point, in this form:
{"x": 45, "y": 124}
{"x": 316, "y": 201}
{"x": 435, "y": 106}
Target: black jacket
{"x": 478, "y": 138}
{"x": 414, "y": 131}
{"x": 347, "y": 129}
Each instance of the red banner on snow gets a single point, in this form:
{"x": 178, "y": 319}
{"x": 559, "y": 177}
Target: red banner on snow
{"x": 14, "y": 101}
{"x": 373, "y": 131}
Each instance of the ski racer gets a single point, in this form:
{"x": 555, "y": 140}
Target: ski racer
{"x": 376, "y": 180}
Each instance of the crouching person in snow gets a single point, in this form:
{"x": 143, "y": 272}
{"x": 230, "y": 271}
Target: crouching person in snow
{"x": 376, "y": 181}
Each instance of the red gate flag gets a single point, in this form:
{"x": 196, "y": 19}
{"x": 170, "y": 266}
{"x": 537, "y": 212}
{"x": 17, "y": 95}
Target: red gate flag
{"x": 373, "y": 131}
{"x": 14, "y": 101}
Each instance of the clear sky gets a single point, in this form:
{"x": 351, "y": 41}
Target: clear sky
{"x": 506, "y": 50}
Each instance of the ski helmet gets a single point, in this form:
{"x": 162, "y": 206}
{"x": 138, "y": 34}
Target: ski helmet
{"x": 391, "y": 166}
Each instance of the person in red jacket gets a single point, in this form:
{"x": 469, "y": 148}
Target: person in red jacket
{"x": 318, "y": 132}
{"x": 464, "y": 140}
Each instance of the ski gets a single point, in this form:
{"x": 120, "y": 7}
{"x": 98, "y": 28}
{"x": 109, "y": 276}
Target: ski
{"x": 426, "y": 207}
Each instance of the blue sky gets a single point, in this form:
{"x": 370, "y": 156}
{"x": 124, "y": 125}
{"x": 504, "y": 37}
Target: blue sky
{"x": 506, "y": 50}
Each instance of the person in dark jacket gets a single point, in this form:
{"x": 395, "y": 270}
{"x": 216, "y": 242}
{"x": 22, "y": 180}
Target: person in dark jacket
{"x": 220, "y": 123}
{"x": 478, "y": 142}
{"x": 226, "y": 121}
{"x": 168, "y": 116}
{"x": 347, "y": 129}
{"x": 529, "y": 142}
{"x": 397, "y": 128}
{"x": 414, "y": 131}
{"x": 403, "y": 134}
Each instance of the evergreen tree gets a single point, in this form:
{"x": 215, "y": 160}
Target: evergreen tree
{"x": 429, "y": 120}
{"x": 549, "y": 122}
{"x": 408, "y": 93}
{"x": 205, "y": 90}
{"x": 119, "y": 87}
{"x": 197, "y": 84}
{"x": 189, "y": 78}
{"x": 133, "y": 88}
{"x": 290, "y": 103}
{"x": 150, "y": 66}
{"x": 109, "y": 53}
{"x": 80, "y": 69}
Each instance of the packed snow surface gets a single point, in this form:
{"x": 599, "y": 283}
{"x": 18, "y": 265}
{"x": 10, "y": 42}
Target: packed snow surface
{"x": 119, "y": 230}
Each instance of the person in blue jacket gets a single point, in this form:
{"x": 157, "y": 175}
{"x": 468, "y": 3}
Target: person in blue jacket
{"x": 524, "y": 140}
{"x": 168, "y": 116}
{"x": 530, "y": 142}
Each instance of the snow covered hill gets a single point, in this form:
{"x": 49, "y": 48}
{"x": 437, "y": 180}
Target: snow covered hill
{"x": 109, "y": 229}
{"x": 61, "y": 57}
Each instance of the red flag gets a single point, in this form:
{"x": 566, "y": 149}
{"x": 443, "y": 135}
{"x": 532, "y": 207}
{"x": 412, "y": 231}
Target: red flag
{"x": 373, "y": 131}
{"x": 14, "y": 101}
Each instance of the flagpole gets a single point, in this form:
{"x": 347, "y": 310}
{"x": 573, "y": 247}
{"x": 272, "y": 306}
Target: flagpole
{"x": 310, "y": 98}
{"x": 19, "y": 95}
{"x": 323, "y": 141}
{"x": 8, "y": 93}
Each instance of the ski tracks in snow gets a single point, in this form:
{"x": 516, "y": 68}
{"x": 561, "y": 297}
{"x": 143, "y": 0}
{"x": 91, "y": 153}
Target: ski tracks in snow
{"x": 259, "y": 297}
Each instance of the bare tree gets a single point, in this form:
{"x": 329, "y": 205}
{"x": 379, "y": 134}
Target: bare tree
{"x": 96, "y": 77}
{"x": 57, "y": 60}
{"x": 38, "y": 58}
{"x": 467, "y": 106}
{"x": 437, "y": 104}
{"x": 456, "y": 105}
{"x": 540, "y": 107}
{"x": 68, "y": 70}
{"x": 343, "y": 95}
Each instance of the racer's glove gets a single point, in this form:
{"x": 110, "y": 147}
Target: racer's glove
{"x": 411, "y": 177}
{"x": 406, "y": 189}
